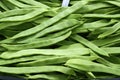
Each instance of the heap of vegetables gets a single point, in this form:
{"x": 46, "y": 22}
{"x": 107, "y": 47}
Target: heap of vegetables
{"x": 41, "y": 39}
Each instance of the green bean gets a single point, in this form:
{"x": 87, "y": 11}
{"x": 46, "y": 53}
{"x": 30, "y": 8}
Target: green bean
{"x": 60, "y": 52}
{"x": 110, "y": 31}
{"x": 23, "y": 59}
{"x": 40, "y": 69}
{"x": 86, "y": 65}
{"x": 48, "y": 76}
{"x": 15, "y": 12}
{"x": 36, "y": 44}
{"x": 16, "y": 25}
{"x": 102, "y": 16}
{"x": 51, "y": 21}
{"x": 89, "y": 44}
{"x": 28, "y": 16}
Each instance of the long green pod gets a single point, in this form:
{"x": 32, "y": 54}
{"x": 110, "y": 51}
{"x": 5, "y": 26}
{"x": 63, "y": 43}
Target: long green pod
{"x": 107, "y": 16}
{"x": 51, "y": 21}
{"x": 37, "y": 44}
{"x": 90, "y": 66}
{"x": 112, "y": 30}
{"x": 15, "y": 12}
{"x": 28, "y": 16}
{"x": 89, "y": 44}
{"x": 39, "y": 69}
{"x": 22, "y": 59}
{"x": 57, "y": 52}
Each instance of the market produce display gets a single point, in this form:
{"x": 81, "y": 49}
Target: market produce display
{"x": 39, "y": 39}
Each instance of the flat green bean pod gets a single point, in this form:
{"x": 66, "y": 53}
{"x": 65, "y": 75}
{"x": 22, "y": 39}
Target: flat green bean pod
{"x": 28, "y": 16}
{"x": 89, "y": 44}
{"x": 59, "y": 52}
{"x": 22, "y": 59}
{"x": 102, "y": 15}
{"x": 15, "y": 12}
{"x": 39, "y": 69}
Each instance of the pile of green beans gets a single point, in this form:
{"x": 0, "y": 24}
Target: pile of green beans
{"x": 39, "y": 39}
